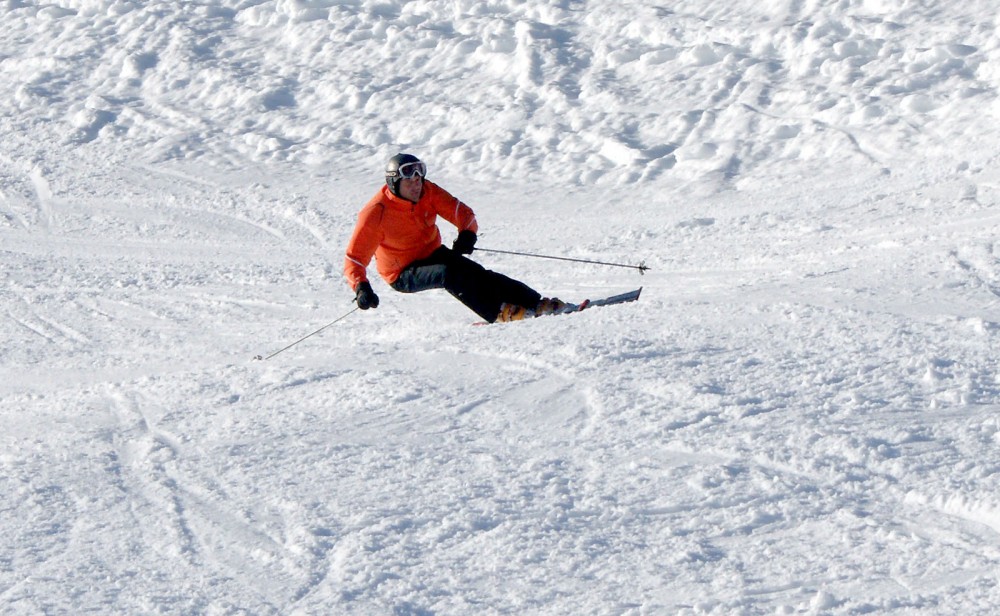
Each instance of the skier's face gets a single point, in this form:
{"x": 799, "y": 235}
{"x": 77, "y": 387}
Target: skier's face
{"x": 411, "y": 189}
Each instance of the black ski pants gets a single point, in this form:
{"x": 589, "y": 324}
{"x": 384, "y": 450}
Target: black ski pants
{"x": 482, "y": 290}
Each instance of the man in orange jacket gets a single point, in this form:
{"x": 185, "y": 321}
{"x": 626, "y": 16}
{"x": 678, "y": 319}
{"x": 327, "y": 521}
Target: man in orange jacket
{"x": 398, "y": 227}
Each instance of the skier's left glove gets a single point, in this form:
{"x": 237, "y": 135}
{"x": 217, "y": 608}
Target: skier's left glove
{"x": 464, "y": 243}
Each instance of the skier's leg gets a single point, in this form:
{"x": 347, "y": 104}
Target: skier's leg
{"x": 422, "y": 275}
{"x": 485, "y": 291}
{"x": 482, "y": 290}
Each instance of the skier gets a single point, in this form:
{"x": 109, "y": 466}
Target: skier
{"x": 398, "y": 226}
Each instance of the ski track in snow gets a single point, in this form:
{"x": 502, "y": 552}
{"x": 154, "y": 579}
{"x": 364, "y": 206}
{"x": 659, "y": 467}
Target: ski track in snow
{"x": 799, "y": 416}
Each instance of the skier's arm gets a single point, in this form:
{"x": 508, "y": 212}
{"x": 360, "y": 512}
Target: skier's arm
{"x": 452, "y": 209}
{"x": 362, "y": 246}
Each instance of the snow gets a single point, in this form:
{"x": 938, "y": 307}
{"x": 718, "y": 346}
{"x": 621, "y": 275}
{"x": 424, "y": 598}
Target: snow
{"x": 800, "y": 416}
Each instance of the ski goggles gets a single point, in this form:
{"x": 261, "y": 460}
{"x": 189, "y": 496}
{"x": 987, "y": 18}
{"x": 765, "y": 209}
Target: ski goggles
{"x": 409, "y": 171}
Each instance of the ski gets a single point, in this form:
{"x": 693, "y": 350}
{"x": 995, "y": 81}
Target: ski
{"x": 623, "y": 298}
{"x": 586, "y": 304}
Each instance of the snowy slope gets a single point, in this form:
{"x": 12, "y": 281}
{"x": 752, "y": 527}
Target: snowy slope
{"x": 799, "y": 416}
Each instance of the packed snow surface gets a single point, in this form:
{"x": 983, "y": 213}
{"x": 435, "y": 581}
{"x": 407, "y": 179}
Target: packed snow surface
{"x": 800, "y": 415}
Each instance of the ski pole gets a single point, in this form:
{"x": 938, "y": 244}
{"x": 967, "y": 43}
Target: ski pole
{"x": 262, "y": 358}
{"x": 641, "y": 267}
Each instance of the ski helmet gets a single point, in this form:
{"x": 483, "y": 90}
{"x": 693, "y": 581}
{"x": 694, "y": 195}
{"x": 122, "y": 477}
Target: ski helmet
{"x": 403, "y": 166}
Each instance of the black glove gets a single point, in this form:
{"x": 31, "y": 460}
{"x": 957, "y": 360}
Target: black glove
{"x": 365, "y": 297}
{"x": 464, "y": 242}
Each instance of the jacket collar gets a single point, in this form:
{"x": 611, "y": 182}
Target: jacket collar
{"x": 399, "y": 201}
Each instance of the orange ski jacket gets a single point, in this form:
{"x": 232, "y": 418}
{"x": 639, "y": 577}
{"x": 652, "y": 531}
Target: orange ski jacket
{"x": 398, "y": 232}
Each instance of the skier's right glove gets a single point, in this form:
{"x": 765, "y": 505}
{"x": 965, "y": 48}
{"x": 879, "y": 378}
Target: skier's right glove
{"x": 365, "y": 297}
